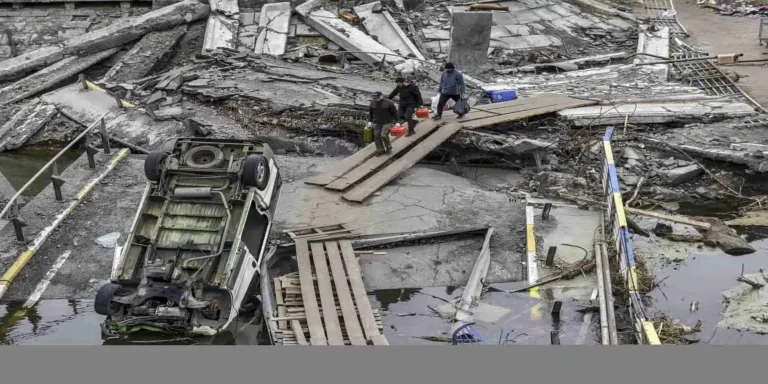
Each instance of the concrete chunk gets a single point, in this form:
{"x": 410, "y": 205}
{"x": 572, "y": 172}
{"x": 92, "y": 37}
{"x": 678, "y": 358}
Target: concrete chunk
{"x": 680, "y": 175}
{"x": 17, "y": 136}
{"x": 274, "y": 22}
{"x": 114, "y": 35}
{"x": 50, "y": 76}
{"x": 225, "y": 7}
{"x": 381, "y": 25}
{"x": 470, "y": 39}
{"x": 220, "y": 32}
{"x": 154, "y": 47}
{"x": 345, "y": 35}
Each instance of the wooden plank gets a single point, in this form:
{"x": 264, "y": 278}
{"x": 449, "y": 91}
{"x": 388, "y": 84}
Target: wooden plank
{"x": 357, "y": 174}
{"x": 384, "y": 176}
{"x": 482, "y": 114}
{"x": 330, "y": 317}
{"x": 298, "y": 332}
{"x": 316, "y": 331}
{"x": 348, "y": 311}
{"x": 527, "y": 113}
{"x": 379, "y": 340}
{"x": 345, "y": 165}
{"x": 674, "y": 219}
{"x": 358, "y": 290}
{"x": 280, "y": 304}
{"x": 546, "y": 98}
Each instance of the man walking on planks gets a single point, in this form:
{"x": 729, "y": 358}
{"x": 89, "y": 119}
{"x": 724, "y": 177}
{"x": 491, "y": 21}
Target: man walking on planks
{"x": 410, "y": 99}
{"x": 451, "y": 87}
{"x": 382, "y": 114}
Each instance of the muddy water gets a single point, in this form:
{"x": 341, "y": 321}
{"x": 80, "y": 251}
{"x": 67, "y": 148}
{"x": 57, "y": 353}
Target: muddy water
{"x": 20, "y": 165}
{"x": 703, "y": 278}
{"x": 406, "y": 315}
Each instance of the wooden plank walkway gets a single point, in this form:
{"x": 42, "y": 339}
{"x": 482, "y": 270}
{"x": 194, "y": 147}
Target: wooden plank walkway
{"x": 361, "y": 192}
{"x": 341, "y": 293}
{"x": 362, "y": 174}
{"x": 357, "y": 174}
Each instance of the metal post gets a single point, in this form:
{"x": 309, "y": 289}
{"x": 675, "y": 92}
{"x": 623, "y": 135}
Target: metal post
{"x": 81, "y": 79}
{"x": 90, "y": 151}
{"x": 554, "y": 337}
{"x": 104, "y": 137}
{"x": 343, "y": 59}
{"x": 550, "y": 257}
{"x": 117, "y": 99}
{"x": 57, "y": 182}
{"x": 17, "y": 227}
{"x": 381, "y": 65}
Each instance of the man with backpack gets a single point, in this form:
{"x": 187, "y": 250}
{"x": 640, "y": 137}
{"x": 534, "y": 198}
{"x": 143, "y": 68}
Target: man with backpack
{"x": 451, "y": 87}
{"x": 410, "y": 100}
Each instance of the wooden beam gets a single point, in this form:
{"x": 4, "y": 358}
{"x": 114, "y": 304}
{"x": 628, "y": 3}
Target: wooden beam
{"x": 345, "y": 165}
{"x": 330, "y": 317}
{"x": 402, "y": 145}
{"x": 354, "y": 330}
{"x": 315, "y": 325}
{"x": 358, "y": 290}
{"x": 544, "y": 108}
{"x": 384, "y": 176}
{"x": 298, "y": 332}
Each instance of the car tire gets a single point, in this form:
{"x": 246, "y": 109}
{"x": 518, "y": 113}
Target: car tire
{"x": 204, "y": 157}
{"x": 256, "y": 172}
{"x": 102, "y": 304}
{"x": 152, "y": 165}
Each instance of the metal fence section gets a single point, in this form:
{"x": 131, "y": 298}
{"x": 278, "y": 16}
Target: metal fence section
{"x": 663, "y": 12}
{"x": 11, "y": 211}
{"x": 617, "y": 234}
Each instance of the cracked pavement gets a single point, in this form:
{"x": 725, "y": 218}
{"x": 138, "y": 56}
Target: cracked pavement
{"x": 423, "y": 199}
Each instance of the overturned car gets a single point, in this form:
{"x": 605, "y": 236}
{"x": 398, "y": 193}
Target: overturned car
{"x": 191, "y": 262}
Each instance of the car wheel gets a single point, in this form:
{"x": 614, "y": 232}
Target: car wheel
{"x": 204, "y": 157}
{"x": 256, "y": 172}
{"x": 103, "y": 304}
{"x": 152, "y": 165}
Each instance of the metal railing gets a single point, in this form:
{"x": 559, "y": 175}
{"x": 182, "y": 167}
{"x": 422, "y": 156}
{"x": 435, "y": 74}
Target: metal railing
{"x": 617, "y": 233}
{"x": 11, "y": 211}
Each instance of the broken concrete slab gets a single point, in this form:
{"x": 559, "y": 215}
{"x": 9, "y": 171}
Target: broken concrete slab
{"x": 758, "y": 164}
{"x": 680, "y": 175}
{"x": 111, "y": 36}
{"x": 153, "y": 48}
{"x": 301, "y": 29}
{"x": 436, "y": 34}
{"x": 380, "y": 24}
{"x": 225, "y": 7}
{"x": 345, "y": 35}
{"x": 746, "y": 307}
{"x": 678, "y": 232}
{"x": 16, "y": 136}
{"x": 50, "y": 76}
{"x": 470, "y": 39}
{"x": 656, "y": 113}
{"x": 273, "y": 24}
{"x": 654, "y": 43}
{"x": 605, "y": 9}
{"x": 220, "y": 32}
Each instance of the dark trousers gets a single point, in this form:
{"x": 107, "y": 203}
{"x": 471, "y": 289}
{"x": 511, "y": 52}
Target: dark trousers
{"x": 444, "y": 99}
{"x": 406, "y": 113}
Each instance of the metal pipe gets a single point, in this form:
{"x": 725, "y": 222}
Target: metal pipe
{"x": 678, "y": 60}
{"x": 610, "y": 311}
{"x": 605, "y": 336}
{"x": 49, "y": 164}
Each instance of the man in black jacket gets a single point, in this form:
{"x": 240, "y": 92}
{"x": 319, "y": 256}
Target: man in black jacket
{"x": 410, "y": 100}
{"x": 382, "y": 114}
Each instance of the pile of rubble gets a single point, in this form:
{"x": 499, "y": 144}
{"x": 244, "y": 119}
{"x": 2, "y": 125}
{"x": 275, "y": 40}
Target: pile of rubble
{"x": 736, "y": 7}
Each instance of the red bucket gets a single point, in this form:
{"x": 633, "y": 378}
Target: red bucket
{"x": 398, "y": 130}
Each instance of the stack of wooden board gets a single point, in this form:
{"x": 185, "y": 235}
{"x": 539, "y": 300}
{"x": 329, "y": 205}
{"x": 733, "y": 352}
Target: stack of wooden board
{"x": 328, "y": 303}
{"x": 362, "y": 174}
